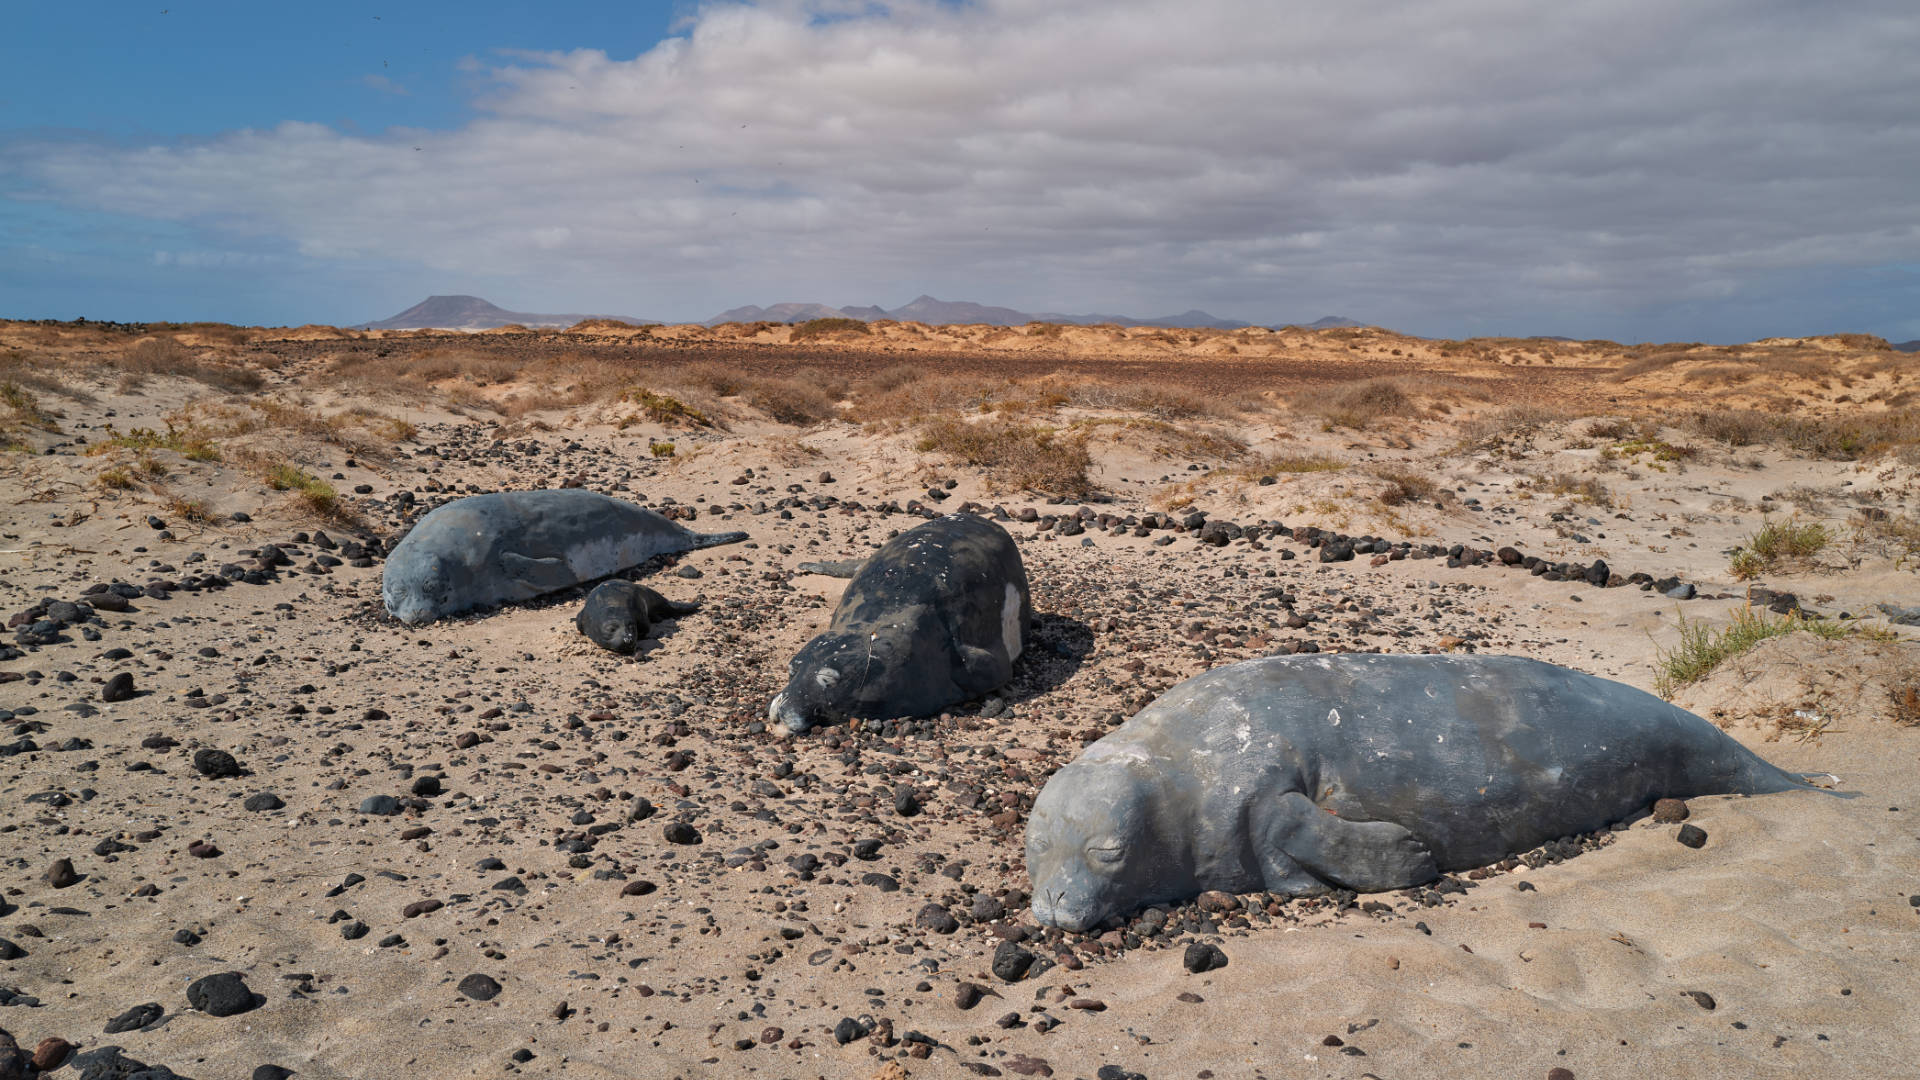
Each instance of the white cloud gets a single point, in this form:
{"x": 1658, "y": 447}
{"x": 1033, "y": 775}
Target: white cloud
{"x": 377, "y": 81}
{"x": 1456, "y": 159}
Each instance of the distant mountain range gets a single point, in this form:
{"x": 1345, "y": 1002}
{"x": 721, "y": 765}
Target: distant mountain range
{"x": 1908, "y": 346}
{"x": 935, "y": 312}
{"x": 473, "y": 313}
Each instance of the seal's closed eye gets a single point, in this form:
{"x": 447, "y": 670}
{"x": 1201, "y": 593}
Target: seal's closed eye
{"x": 1106, "y": 851}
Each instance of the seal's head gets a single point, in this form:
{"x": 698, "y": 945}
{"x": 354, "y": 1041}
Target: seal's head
{"x": 609, "y": 617}
{"x": 416, "y": 586}
{"x": 1091, "y": 848}
{"x": 838, "y": 676}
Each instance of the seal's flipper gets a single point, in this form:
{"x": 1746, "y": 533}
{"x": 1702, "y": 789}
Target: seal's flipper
{"x": 659, "y": 607}
{"x": 982, "y": 670}
{"x": 542, "y": 575}
{"x": 1366, "y": 856}
{"x": 707, "y": 540}
{"x": 844, "y": 568}
{"x": 1280, "y": 874}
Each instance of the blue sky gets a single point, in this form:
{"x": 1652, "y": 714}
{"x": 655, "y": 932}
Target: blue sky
{"x": 1635, "y": 169}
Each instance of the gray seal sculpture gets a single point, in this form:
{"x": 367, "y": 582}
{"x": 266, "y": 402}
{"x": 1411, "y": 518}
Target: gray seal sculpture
{"x": 937, "y": 615}
{"x": 1302, "y": 774}
{"x": 515, "y": 545}
{"x": 619, "y": 614}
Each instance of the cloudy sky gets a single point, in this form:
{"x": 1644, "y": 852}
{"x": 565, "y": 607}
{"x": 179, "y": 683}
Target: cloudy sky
{"x": 1711, "y": 170}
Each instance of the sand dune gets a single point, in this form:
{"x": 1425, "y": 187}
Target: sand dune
{"x": 1780, "y": 947}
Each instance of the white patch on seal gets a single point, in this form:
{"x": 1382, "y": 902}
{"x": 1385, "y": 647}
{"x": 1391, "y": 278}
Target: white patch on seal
{"x": 773, "y": 707}
{"x": 1333, "y": 717}
{"x": 1010, "y": 622}
{"x": 825, "y": 677}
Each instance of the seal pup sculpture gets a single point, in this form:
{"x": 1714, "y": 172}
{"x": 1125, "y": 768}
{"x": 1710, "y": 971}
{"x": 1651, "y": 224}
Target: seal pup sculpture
{"x": 937, "y": 615}
{"x": 1299, "y": 775}
{"x": 619, "y": 614}
{"x": 515, "y": 545}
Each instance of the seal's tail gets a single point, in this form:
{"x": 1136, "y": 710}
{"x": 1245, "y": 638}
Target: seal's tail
{"x": 1760, "y": 777}
{"x": 707, "y": 540}
{"x": 677, "y": 609}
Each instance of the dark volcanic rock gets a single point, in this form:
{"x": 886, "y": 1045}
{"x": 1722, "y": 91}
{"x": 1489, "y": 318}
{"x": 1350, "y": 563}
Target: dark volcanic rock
{"x": 265, "y": 800}
{"x": 1204, "y": 956}
{"x": 1691, "y": 835}
{"x": 215, "y": 764}
{"x": 135, "y": 1018}
{"x": 118, "y": 688}
{"x": 480, "y": 987}
{"x": 225, "y": 994}
{"x": 936, "y": 918}
{"x": 1010, "y": 962}
{"x": 110, "y": 1063}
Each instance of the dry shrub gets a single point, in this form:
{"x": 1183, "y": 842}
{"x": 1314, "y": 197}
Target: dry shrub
{"x": 832, "y": 384}
{"x": 1356, "y": 404}
{"x": 925, "y": 395}
{"x": 1839, "y": 438}
{"x": 1296, "y": 463}
{"x": 585, "y": 325}
{"x": 1568, "y": 486}
{"x": 1158, "y": 400}
{"x": 1645, "y": 359}
{"x": 1165, "y": 439}
{"x": 790, "y": 452}
{"x": 790, "y": 401}
{"x": 1027, "y": 457}
{"x": 665, "y": 408}
{"x": 1500, "y": 430}
{"x": 26, "y": 408}
{"x": 819, "y": 328}
{"x": 889, "y": 378}
{"x": 167, "y": 356}
{"x": 34, "y": 375}
{"x": 1405, "y": 487}
{"x": 425, "y": 367}
{"x": 1905, "y": 696}
{"x": 193, "y": 510}
{"x": 218, "y": 333}
{"x": 188, "y": 440}
{"x": 1612, "y": 428}
{"x": 718, "y": 379}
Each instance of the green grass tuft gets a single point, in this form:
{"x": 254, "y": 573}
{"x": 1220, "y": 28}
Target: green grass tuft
{"x": 1702, "y": 648}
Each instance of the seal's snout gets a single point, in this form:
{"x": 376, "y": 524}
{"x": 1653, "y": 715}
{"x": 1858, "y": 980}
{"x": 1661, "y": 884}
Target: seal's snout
{"x": 410, "y": 606}
{"x": 621, "y": 637}
{"x": 784, "y": 712}
{"x": 1050, "y": 908}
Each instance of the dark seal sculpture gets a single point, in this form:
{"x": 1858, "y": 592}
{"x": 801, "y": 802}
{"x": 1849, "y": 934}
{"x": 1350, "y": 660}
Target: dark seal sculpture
{"x": 516, "y": 545}
{"x": 618, "y": 615}
{"x": 937, "y": 615}
{"x": 1302, "y": 774}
